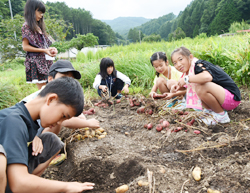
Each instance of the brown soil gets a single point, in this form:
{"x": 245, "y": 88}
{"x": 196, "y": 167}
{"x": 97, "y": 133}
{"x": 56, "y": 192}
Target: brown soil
{"x": 129, "y": 150}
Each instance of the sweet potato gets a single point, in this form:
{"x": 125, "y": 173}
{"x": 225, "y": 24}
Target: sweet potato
{"x": 131, "y": 102}
{"x": 159, "y": 127}
{"x": 96, "y": 104}
{"x": 137, "y": 103}
{"x": 165, "y": 124}
{"x": 150, "y": 126}
{"x": 178, "y": 129}
{"x": 161, "y": 121}
{"x": 159, "y": 96}
{"x": 191, "y": 122}
{"x": 118, "y": 100}
{"x": 87, "y": 113}
{"x": 92, "y": 110}
{"x": 122, "y": 189}
{"x": 197, "y": 132}
{"x": 196, "y": 173}
{"x": 149, "y": 111}
{"x": 146, "y": 125}
{"x": 140, "y": 110}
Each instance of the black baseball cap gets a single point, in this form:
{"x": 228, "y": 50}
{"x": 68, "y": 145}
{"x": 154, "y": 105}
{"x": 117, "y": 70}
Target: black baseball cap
{"x": 64, "y": 66}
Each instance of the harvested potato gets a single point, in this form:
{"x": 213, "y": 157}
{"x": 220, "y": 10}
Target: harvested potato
{"x": 100, "y": 129}
{"x": 98, "y": 132}
{"x": 122, "y": 189}
{"x": 143, "y": 183}
{"x": 101, "y": 136}
{"x": 196, "y": 173}
{"x": 87, "y": 132}
{"x": 92, "y": 133}
{"x": 209, "y": 190}
{"x": 79, "y": 137}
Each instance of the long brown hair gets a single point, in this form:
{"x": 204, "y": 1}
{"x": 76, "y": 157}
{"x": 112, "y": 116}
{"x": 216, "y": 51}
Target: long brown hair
{"x": 30, "y": 15}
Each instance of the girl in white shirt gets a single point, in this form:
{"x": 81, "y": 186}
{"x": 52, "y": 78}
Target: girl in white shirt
{"x": 109, "y": 79}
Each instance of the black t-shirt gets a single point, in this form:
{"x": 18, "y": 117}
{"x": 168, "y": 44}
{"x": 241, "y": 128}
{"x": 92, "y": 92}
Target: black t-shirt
{"x": 219, "y": 77}
{"x": 16, "y": 129}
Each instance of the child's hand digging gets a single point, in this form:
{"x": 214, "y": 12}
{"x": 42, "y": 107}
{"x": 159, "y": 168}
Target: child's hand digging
{"x": 74, "y": 187}
{"x": 37, "y": 146}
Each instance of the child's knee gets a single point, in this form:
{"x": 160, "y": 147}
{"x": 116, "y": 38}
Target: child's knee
{"x": 160, "y": 81}
{"x": 199, "y": 89}
{"x": 170, "y": 83}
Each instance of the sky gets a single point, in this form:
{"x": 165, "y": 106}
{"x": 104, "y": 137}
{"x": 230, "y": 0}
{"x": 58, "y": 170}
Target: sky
{"x": 111, "y": 9}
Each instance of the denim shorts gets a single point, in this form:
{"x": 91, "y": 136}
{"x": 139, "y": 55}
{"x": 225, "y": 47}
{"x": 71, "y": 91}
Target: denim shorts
{"x": 229, "y": 102}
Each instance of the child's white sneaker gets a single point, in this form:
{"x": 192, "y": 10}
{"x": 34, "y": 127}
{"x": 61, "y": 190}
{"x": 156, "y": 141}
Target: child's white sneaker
{"x": 217, "y": 118}
{"x": 207, "y": 111}
{"x": 222, "y": 118}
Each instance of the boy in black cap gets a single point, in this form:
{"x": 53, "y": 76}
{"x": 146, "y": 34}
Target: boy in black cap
{"x": 59, "y": 69}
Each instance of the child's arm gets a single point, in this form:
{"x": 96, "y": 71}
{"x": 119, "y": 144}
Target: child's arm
{"x": 21, "y": 181}
{"x": 200, "y": 78}
{"x": 76, "y": 122}
{"x": 124, "y": 78}
{"x": 28, "y": 48}
{"x": 125, "y": 88}
{"x": 153, "y": 91}
{"x": 174, "y": 94}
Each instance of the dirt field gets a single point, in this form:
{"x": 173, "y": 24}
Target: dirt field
{"x": 129, "y": 152}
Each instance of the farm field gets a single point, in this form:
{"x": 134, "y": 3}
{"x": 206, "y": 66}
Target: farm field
{"x": 129, "y": 150}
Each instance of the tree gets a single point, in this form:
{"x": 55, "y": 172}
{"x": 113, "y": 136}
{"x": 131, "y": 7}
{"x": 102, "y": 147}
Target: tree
{"x": 152, "y": 38}
{"x": 236, "y": 26}
{"x": 196, "y": 31}
{"x": 104, "y": 32}
{"x": 227, "y": 15}
{"x": 166, "y": 29}
{"x": 82, "y": 41}
{"x": 4, "y": 10}
{"x": 10, "y": 47}
{"x": 133, "y": 35}
{"x": 177, "y": 34}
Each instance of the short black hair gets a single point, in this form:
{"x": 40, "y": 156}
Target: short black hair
{"x": 105, "y": 63}
{"x": 69, "y": 92}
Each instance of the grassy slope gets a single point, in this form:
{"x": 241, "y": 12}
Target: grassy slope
{"x": 231, "y": 53}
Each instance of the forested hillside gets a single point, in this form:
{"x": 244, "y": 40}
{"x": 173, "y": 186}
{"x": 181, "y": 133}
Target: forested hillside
{"x": 122, "y": 25}
{"x": 201, "y": 16}
{"x": 81, "y": 19}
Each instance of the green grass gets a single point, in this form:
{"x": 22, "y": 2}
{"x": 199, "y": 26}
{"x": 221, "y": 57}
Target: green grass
{"x": 231, "y": 53}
